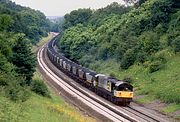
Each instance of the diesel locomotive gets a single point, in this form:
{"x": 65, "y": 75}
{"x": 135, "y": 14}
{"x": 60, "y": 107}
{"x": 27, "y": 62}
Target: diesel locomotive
{"x": 112, "y": 89}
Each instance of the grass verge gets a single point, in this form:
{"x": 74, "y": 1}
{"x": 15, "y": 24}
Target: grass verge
{"x": 171, "y": 108}
{"x": 40, "y": 109}
{"x": 41, "y": 42}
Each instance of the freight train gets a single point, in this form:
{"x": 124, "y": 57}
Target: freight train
{"x": 112, "y": 89}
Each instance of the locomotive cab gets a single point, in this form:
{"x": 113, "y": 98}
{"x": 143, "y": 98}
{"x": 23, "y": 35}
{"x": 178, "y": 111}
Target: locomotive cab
{"x": 123, "y": 90}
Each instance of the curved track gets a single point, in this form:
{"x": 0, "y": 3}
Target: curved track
{"x": 111, "y": 111}
{"x": 93, "y": 104}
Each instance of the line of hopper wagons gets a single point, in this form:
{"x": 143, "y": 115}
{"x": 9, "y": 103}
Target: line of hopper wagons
{"x": 112, "y": 89}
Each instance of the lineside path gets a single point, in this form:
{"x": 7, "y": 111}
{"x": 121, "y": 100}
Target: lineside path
{"x": 75, "y": 93}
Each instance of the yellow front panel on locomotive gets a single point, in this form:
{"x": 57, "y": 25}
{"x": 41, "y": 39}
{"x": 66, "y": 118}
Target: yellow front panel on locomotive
{"x": 123, "y": 94}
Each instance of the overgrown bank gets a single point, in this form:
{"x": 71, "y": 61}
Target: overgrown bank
{"x": 40, "y": 109}
{"x": 20, "y": 28}
{"x": 44, "y": 106}
{"x": 139, "y": 44}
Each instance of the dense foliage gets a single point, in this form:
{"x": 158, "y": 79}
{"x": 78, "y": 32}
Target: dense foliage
{"x": 16, "y": 18}
{"x": 143, "y": 35}
{"x": 20, "y": 27}
{"x": 12, "y": 82}
{"x": 126, "y": 34}
{"x": 23, "y": 59}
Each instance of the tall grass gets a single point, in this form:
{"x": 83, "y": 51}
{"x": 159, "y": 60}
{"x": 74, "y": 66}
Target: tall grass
{"x": 40, "y": 109}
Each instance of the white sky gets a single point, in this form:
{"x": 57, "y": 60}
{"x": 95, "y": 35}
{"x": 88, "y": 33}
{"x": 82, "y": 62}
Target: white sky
{"x": 61, "y": 7}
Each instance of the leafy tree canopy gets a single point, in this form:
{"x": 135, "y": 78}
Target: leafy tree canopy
{"x": 20, "y": 27}
{"x": 127, "y": 34}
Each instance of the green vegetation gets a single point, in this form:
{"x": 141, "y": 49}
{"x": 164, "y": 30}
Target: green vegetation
{"x": 139, "y": 44}
{"x": 18, "y": 63}
{"x": 134, "y": 35}
{"x": 56, "y": 23}
{"x": 40, "y": 109}
{"x": 171, "y": 108}
{"x": 38, "y": 86}
{"x": 12, "y": 80}
{"x": 20, "y": 27}
{"x": 40, "y": 43}
{"x": 18, "y": 19}
{"x": 145, "y": 99}
{"x": 22, "y": 53}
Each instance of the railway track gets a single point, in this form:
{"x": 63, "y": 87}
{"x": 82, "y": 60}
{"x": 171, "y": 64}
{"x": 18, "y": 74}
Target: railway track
{"x": 88, "y": 101}
{"x": 111, "y": 111}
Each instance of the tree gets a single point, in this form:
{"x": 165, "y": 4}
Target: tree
{"x": 135, "y": 2}
{"x": 23, "y": 58}
{"x": 79, "y": 16}
{"x": 149, "y": 42}
{"x": 5, "y": 22}
{"x": 128, "y": 59}
{"x": 18, "y": 19}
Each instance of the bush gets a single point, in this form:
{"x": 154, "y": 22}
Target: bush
{"x": 112, "y": 74}
{"x": 149, "y": 42}
{"x": 155, "y": 66}
{"x": 158, "y": 60}
{"x": 86, "y": 60}
{"x": 40, "y": 88}
{"x": 10, "y": 83}
{"x": 176, "y": 44}
{"x": 161, "y": 56}
{"x": 17, "y": 93}
{"x": 141, "y": 57}
{"x": 103, "y": 53}
{"x": 128, "y": 59}
{"x": 128, "y": 79}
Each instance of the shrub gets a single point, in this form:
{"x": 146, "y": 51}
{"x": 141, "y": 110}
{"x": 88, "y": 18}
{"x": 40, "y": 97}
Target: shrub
{"x": 86, "y": 60}
{"x": 161, "y": 56}
{"x": 112, "y": 74}
{"x": 141, "y": 57}
{"x": 149, "y": 42}
{"x": 176, "y": 44}
{"x": 17, "y": 93}
{"x": 158, "y": 60}
{"x": 128, "y": 79}
{"x": 40, "y": 88}
{"x": 103, "y": 53}
{"x": 155, "y": 66}
{"x": 128, "y": 59}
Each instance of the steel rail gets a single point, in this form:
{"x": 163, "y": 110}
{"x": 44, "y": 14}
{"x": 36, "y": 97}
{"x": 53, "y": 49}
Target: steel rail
{"x": 113, "y": 116}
